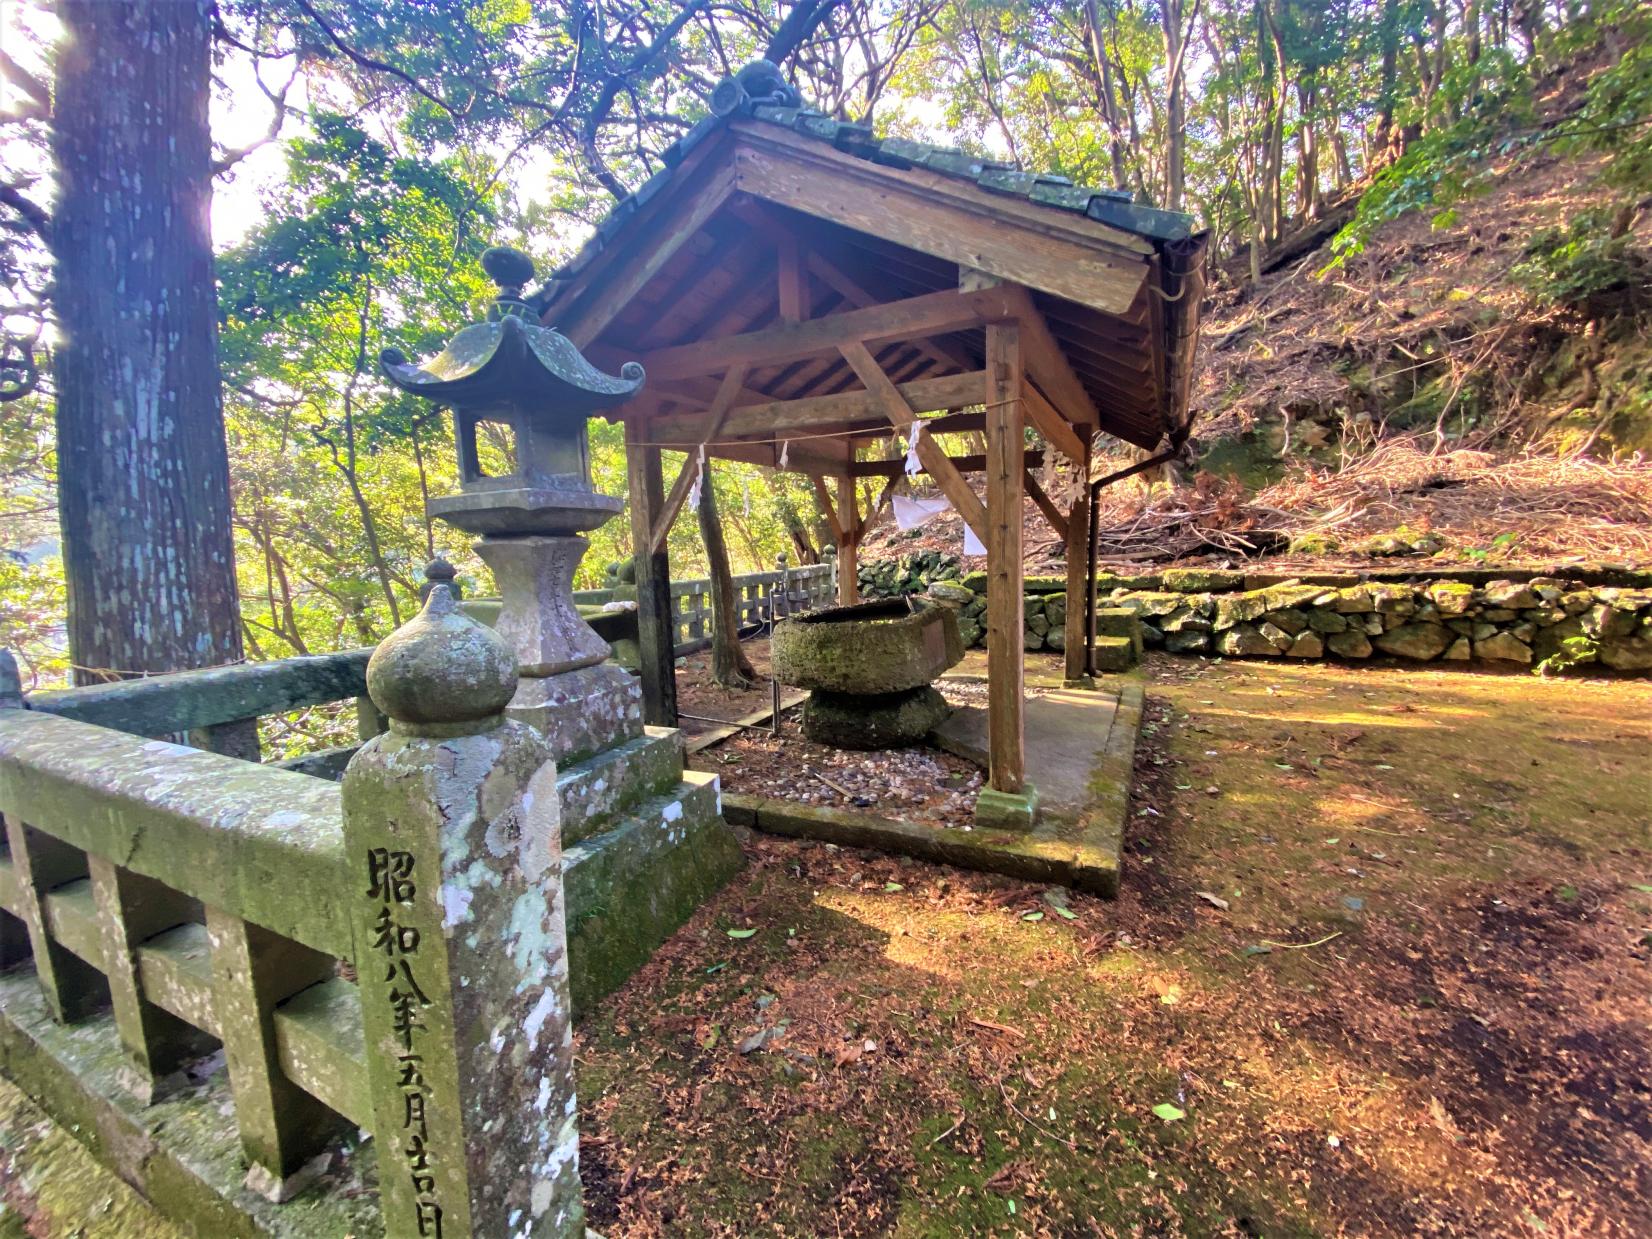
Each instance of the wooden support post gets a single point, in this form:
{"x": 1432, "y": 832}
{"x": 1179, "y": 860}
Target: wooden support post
{"x": 282, "y": 1127}
{"x": 848, "y": 547}
{"x": 1076, "y": 636}
{"x": 73, "y": 988}
{"x": 657, "y": 663}
{"x": 1007, "y": 802}
{"x": 131, "y": 908}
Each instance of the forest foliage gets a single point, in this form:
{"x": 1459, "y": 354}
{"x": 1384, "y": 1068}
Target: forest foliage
{"x": 413, "y": 136}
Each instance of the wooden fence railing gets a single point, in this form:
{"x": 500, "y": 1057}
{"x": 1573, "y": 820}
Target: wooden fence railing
{"x": 759, "y": 598}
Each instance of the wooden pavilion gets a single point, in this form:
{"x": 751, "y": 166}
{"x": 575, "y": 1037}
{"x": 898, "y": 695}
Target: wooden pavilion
{"x": 797, "y": 289}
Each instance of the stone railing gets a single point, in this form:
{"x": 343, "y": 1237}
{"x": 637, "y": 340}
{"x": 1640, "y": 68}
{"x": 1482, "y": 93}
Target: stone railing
{"x": 366, "y": 956}
{"x": 1562, "y": 617}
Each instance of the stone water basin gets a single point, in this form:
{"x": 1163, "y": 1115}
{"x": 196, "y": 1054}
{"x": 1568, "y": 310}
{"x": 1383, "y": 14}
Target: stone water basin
{"x": 870, "y": 670}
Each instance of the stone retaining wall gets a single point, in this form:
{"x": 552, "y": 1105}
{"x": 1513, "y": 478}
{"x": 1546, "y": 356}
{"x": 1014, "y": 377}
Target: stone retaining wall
{"x": 1571, "y": 616}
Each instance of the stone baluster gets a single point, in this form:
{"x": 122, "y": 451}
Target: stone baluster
{"x": 452, "y": 832}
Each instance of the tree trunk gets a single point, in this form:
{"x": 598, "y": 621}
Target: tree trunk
{"x": 143, "y": 469}
{"x": 1175, "y": 123}
{"x": 729, "y": 664}
{"x": 1109, "y": 99}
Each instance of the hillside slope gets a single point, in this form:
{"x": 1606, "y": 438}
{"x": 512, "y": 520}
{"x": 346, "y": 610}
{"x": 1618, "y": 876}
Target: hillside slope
{"x": 1473, "y": 385}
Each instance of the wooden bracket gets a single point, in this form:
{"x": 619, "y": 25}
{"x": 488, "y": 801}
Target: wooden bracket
{"x": 733, "y": 383}
{"x": 901, "y": 414}
{"x": 1058, "y": 522}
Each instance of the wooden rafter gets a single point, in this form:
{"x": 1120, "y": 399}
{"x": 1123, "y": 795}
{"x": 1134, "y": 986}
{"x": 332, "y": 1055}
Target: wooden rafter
{"x": 794, "y": 281}
{"x": 678, "y": 217}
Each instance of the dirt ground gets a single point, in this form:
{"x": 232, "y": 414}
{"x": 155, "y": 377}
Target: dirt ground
{"x": 698, "y": 693}
{"x": 1423, "y": 1009}
{"x": 1380, "y": 966}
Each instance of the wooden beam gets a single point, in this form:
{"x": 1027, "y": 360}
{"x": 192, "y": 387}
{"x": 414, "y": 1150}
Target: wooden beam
{"x": 1076, "y": 651}
{"x": 845, "y": 285}
{"x": 1058, "y": 251}
{"x": 1006, "y": 675}
{"x": 655, "y": 638}
{"x": 1048, "y": 364}
{"x": 848, "y": 546}
{"x": 733, "y": 383}
{"x": 1057, "y": 429}
{"x": 1047, "y": 506}
{"x": 773, "y": 418}
{"x": 913, "y": 318}
{"x": 951, "y": 423}
{"x": 901, "y": 415}
{"x": 1032, "y": 458}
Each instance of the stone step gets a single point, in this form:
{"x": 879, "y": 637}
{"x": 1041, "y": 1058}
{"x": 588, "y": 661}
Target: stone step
{"x": 1115, "y": 654}
{"x": 597, "y": 791}
{"x": 631, "y": 886}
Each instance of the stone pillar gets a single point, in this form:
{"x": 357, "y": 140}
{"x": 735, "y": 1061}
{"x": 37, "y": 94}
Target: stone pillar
{"x": 568, "y": 691}
{"x": 453, "y": 842}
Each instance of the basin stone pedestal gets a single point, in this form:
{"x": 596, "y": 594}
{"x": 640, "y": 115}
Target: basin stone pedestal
{"x": 870, "y": 670}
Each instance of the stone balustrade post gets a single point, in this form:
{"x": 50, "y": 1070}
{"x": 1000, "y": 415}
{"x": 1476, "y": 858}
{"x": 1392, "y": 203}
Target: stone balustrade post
{"x": 452, "y": 831}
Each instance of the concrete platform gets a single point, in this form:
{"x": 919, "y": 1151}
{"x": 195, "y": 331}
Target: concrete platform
{"x": 1081, "y": 746}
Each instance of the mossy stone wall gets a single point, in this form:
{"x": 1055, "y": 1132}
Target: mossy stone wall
{"x": 1564, "y": 617}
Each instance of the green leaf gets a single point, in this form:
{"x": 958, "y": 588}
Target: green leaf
{"x": 1642, "y": 887}
{"x": 741, "y": 933}
{"x": 1032, "y": 916}
{"x": 1066, "y": 914}
{"x": 1168, "y": 1112}
{"x": 716, "y": 968}
{"x": 893, "y": 886}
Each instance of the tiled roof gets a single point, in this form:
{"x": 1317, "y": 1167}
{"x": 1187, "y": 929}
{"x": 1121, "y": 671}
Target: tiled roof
{"x": 1113, "y": 207}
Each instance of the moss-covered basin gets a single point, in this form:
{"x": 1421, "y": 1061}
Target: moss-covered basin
{"x": 874, "y": 647}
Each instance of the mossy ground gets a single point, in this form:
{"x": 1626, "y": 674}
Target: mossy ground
{"x": 1452, "y": 1042}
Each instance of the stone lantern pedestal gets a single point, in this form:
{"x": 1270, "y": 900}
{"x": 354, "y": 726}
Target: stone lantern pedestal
{"x": 568, "y": 691}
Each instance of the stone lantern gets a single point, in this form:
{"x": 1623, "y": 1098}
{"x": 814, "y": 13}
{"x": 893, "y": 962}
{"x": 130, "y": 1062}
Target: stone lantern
{"x": 513, "y": 380}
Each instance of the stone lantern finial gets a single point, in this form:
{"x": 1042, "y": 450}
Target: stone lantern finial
{"x": 442, "y": 673}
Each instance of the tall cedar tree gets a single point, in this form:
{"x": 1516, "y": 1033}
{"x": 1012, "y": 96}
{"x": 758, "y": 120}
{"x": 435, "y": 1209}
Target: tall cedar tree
{"x": 143, "y": 471}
